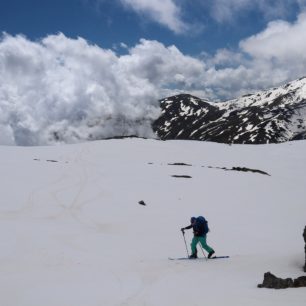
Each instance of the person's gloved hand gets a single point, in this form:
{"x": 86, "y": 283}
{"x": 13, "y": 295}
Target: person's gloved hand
{"x": 183, "y": 230}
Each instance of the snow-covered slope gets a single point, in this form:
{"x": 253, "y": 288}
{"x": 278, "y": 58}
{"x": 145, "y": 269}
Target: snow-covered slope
{"x": 72, "y": 231}
{"x": 271, "y": 116}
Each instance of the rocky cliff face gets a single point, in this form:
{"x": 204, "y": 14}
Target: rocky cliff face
{"x": 271, "y": 116}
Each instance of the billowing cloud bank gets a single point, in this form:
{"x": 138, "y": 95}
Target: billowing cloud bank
{"x": 67, "y": 90}
{"x": 60, "y": 89}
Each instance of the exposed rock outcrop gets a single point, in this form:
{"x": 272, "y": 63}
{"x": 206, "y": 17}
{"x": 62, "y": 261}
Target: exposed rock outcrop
{"x": 271, "y": 281}
{"x": 300, "y": 282}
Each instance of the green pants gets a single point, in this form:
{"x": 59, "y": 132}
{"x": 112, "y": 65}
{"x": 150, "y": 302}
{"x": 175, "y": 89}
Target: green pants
{"x": 202, "y": 240}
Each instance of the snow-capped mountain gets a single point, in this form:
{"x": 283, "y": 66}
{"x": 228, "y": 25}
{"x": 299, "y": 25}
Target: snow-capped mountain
{"x": 271, "y": 116}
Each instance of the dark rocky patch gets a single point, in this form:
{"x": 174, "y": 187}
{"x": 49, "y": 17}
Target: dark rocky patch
{"x": 179, "y": 164}
{"x": 249, "y": 170}
{"x": 272, "y": 282}
{"x": 142, "y": 203}
{"x": 243, "y": 169}
{"x": 123, "y": 137}
{"x": 181, "y": 176}
{"x": 48, "y": 160}
{"x": 299, "y": 282}
{"x": 247, "y": 95}
{"x": 51, "y": 160}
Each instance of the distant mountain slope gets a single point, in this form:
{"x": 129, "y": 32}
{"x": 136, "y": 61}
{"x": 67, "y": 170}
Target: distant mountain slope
{"x": 271, "y": 116}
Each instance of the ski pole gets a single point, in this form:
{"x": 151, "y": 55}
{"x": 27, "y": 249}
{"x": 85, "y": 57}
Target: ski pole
{"x": 202, "y": 251}
{"x": 185, "y": 243}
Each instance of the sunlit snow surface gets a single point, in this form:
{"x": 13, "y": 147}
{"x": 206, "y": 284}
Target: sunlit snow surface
{"x": 72, "y": 231}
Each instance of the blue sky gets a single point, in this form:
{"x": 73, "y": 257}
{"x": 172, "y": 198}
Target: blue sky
{"x": 192, "y": 26}
{"x": 76, "y": 68}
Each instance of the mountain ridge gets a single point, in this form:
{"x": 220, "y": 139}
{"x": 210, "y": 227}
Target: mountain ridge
{"x": 269, "y": 116}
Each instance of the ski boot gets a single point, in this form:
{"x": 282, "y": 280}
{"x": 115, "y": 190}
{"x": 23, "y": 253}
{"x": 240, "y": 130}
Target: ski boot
{"x": 211, "y": 253}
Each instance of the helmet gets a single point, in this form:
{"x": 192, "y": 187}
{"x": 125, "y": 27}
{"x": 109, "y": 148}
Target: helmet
{"x": 192, "y": 219}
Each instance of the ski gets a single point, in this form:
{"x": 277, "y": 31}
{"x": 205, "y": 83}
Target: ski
{"x": 186, "y": 258}
{"x": 181, "y": 258}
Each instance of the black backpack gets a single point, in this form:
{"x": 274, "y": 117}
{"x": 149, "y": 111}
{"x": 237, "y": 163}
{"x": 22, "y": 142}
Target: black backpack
{"x": 202, "y": 225}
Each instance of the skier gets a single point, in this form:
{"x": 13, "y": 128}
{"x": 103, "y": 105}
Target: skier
{"x": 200, "y": 229}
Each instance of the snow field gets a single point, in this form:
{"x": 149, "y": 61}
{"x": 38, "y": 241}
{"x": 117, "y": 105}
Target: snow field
{"x": 72, "y": 231}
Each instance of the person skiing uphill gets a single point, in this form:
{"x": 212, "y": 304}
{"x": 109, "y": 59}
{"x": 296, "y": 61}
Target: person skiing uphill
{"x": 200, "y": 230}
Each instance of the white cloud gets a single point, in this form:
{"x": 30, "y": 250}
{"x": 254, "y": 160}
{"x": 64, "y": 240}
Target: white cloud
{"x": 165, "y": 12}
{"x": 280, "y": 47}
{"x": 70, "y": 89}
{"x": 281, "y": 40}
